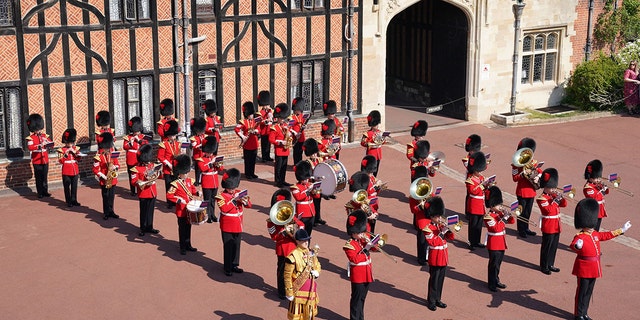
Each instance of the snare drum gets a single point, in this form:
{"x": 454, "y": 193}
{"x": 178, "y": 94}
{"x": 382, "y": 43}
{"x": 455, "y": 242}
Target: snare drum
{"x": 196, "y": 212}
{"x": 334, "y": 175}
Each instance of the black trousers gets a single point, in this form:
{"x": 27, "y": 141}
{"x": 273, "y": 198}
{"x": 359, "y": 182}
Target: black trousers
{"x": 475, "y": 228}
{"x": 108, "y": 196}
{"x": 375, "y": 173}
{"x": 280, "y": 276}
{"x": 316, "y": 206}
{"x": 132, "y": 187}
{"x": 297, "y": 152}
{"x": 184, "y": 233}
{"x": 231, "y": 246}
{"x": 372, "y": 225}
{"x": 421, "y": 246}
{"x": 198, "y": 173}
{"x": 436, "y": 282}
{"x": 493, "y": 269}
{"x": 548, "y": 250}
{"x": 147, "y": 207}
{"x": 583, "y": 295}
{"x": 209, "y": 195}
{"x": 356, "y": 303}
{"x": 41, "y": 172}
{"x": 308, "y": 223}
{"x": 265, "y": 147}
{"x": 168, "y": 178}
{"x": 280, "y": 169}
{"x": 527, "y": 205}
{"x": 597, "y": 228}
{"x": 70, "y": 186}
{"x": 249, "y": 161}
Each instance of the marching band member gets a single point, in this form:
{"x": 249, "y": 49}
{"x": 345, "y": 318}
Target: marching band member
{"x": 213, "y": 119}
{"x": 166, "y": 110}
{"x": 372, "y": 140}
{"x": 304, "y": 194}
{"x": 471, "y": 146}
{"x": 326, "y": 149}
{"x": 248, "y": 132}
{"x": 475, "y": 209}
{"x": 329, "y": 109}
{"x": 495, "y": 221}
{"x": 310, "y": 148}
{"x": 550, "y": 202}
{"x": 525, "y": 191}
{"x": 231, "y": 211}
{"x": 297, "y": 129}
{"x": 209, "y": 168}
{"x": 105, "y": 169}
{"x": 420, "y": 218}
{"x": 167, "y": 152}
{"x": 144, "y": 175}
{"x": 594, "y": 188}
{"x": 421, "y": 153}
{"x": 130, "y": 144}
{"x": 586, "y": 244}
{"x": 198, "y": 125}
{"x": 37, "y": 144}
{"x": 436, "y": 234}
{"x": 282, "y": 140}
{"x": 103, "y": 121}
{"x": 300, "y": 273}
{"x": 266, "y": 113}
{"x": 360, "y": 270}
{"x": 181, "y": 192}
{"x": 359, "y": 181}
{"x": 68, "y": 156}
{"x": 418, "y": 132}
{"x": 283, "y": 235}
{"x": 370, "y": 166}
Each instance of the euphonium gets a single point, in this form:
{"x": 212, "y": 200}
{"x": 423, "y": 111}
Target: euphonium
{"x": 420, "y": 188}
{"x": 523, "y": 157}
{"x": 360, "y": 196}
{"x": 379, "y": 139}
{"x": 282, "y": 212}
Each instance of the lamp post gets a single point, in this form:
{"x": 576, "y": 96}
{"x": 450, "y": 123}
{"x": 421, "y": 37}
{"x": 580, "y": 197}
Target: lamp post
{"x": 517, "y": 13}
{"x": 186, "y": 44}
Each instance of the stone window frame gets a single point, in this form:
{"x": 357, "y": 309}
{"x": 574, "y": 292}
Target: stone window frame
{"x": 540, "y": 51}
{"x": 308, "y": 73}
{"x": 133, "y": 96}
{"x": 129, "y": 10}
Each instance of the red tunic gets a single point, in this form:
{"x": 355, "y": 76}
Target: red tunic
{"x": 587, "y": 263}
{"x": 101, "y": 163}
{"x": 496, "y": 229}
{"x": 102, "y": 130}
{"x": 267, "y": 119}
{"x": 367, "y": 142}
{"x": 411, "y": 150}
{"x": 182, "y": 190}
{"x": 131, "y": 143}
{"x": 438, "y": 254}
{"x": 524, "y": 188}
{"x": 277, "y": 137}
{"x": 68, "y": 157}
{"x": 247, "y": 131}
{"x": 360, "y": 268}
{"x": 475, "y": 193}
{"x": 304, "y": 200}
{"x": 284, "y": 243}
{"x": 323, "y": 148}
{"x": 427, "y": 164}
{"x": 230, "y": 212}
{"x": 196, "y": 142}
{"x": 550, "y": 211}
{"x": 297, "y": 128}
{"x": 419, "y": 219}
{"x": 209, "y": 172}
{"x": 591, "y": 190}
{"x": 35, "y": 143}
{"x": 167, "y": 151}
{"x": 161, "y": 126}
{"x": 213, "y": 126}
{"x": 372, "y": 191}
{"x": 139, "y": 173}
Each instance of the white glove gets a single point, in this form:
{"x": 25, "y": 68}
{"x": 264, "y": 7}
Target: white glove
{"x": 290, "y": 298}
{"x": 315, "y": 273}
{"x": 579, "y": 244}
{"x": 626, "y": 226}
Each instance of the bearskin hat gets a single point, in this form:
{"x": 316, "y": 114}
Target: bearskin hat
{"x": 586, "y": 213}
{"x": 329, "y": 107}
{"x": 264, "y": 98}
{"x": 248, "y": 109}
{"x": 419, "y": 172}
{"x": 527, "y": 143}
{"x": 198, "y": 125}
{"x": 473, "y": 143}
{"x": 549, "y": 178}
{"x": 435, "y": 207}
{"x": 281, "y": 194}
{"x": 374, "y": 118}
{"x": 231, "y": 179}
{"x": 369, "y": 164}
{"x": 302, "y": 170}
{"x": 210, "y": 145}
{"x": 358, "y": 181}
{"x": 298, "y": 104}
{"x": 166, "y": 107}
{"x": 171, "y": 128}
{"x": 281, "y": 111}
{"x": 310, "y": 147}
{"x": 35, "y": 122}
{"x": 69, "y": 135}
{"x": 103, "y": 118}
{"x": 328, "y": 127}
{"x": 145, "y": 154}
{"x": 135, "y": 124}
{"x": 477, "y": 162}
{"x": 493, "y": 197}
{"x": 593, "y": 169}
{"x": 105, "y": 140}
{"x": 423, "y": 147}
{"x": 209, "y": 107}
{"x": 356, "y": 222}
{"x": 419, "y": 129}
{"x": 182, "y": 164}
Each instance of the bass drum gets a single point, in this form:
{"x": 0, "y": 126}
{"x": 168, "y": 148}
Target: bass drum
{"x": 333, "y": 174}
{"x": 197, "y": 211}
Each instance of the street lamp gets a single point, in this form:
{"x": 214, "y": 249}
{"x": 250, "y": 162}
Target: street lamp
{"x": 518, "y": 7}
{"x": 187, "y": 42}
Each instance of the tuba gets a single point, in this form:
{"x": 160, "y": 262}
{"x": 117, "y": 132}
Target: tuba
{"x": 420, "y": 188}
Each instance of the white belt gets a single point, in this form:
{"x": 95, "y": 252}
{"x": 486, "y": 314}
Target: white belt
{"x": 132, "y": 150}
{"x": 551, "y": 217}
{"x": 39, "y": 150}
{"x": 438, "y": 247}
{"x": 69, "y": 161}
{"x": 304, "y": 202}
{"x": 501, "y": 233}
{"x": 601, "y": 202}
{"x": 476, "y": 197}
{"x": 231, "y": 214}
{"x": 364, "y": 263}
{"x": 208, "y": 173}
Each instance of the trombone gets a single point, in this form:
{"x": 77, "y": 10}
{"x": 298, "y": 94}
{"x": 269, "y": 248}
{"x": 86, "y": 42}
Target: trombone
{"x": 507, "y": 211}
{"x": 614, "y": 181}
{"x": 377, "y": 241}
{"x": 454, "y": 222}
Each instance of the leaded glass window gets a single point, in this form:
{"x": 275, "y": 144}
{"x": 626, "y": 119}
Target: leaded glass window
{"x": 307, "y": 81}
{"x": 540, "y": 57}
{"x": 207, "y": 85}
{"x": 132, "y": 97}
{"x": 6, "y": 13}
{"x": 129, "y": 10}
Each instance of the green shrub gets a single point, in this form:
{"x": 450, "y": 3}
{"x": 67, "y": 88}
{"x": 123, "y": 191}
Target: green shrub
{"x": 596, "y": 84}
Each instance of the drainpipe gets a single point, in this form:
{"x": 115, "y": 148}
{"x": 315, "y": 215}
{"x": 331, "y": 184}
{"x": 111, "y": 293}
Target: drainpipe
{"x": 587, "y": 47}
{"x": 175, "y": 23}
{"x": 348, "y": 34}
{"x": 517, "y": 13}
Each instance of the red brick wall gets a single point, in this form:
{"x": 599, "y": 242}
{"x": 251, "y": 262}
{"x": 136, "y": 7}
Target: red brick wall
{"x": 579, "y": 40}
